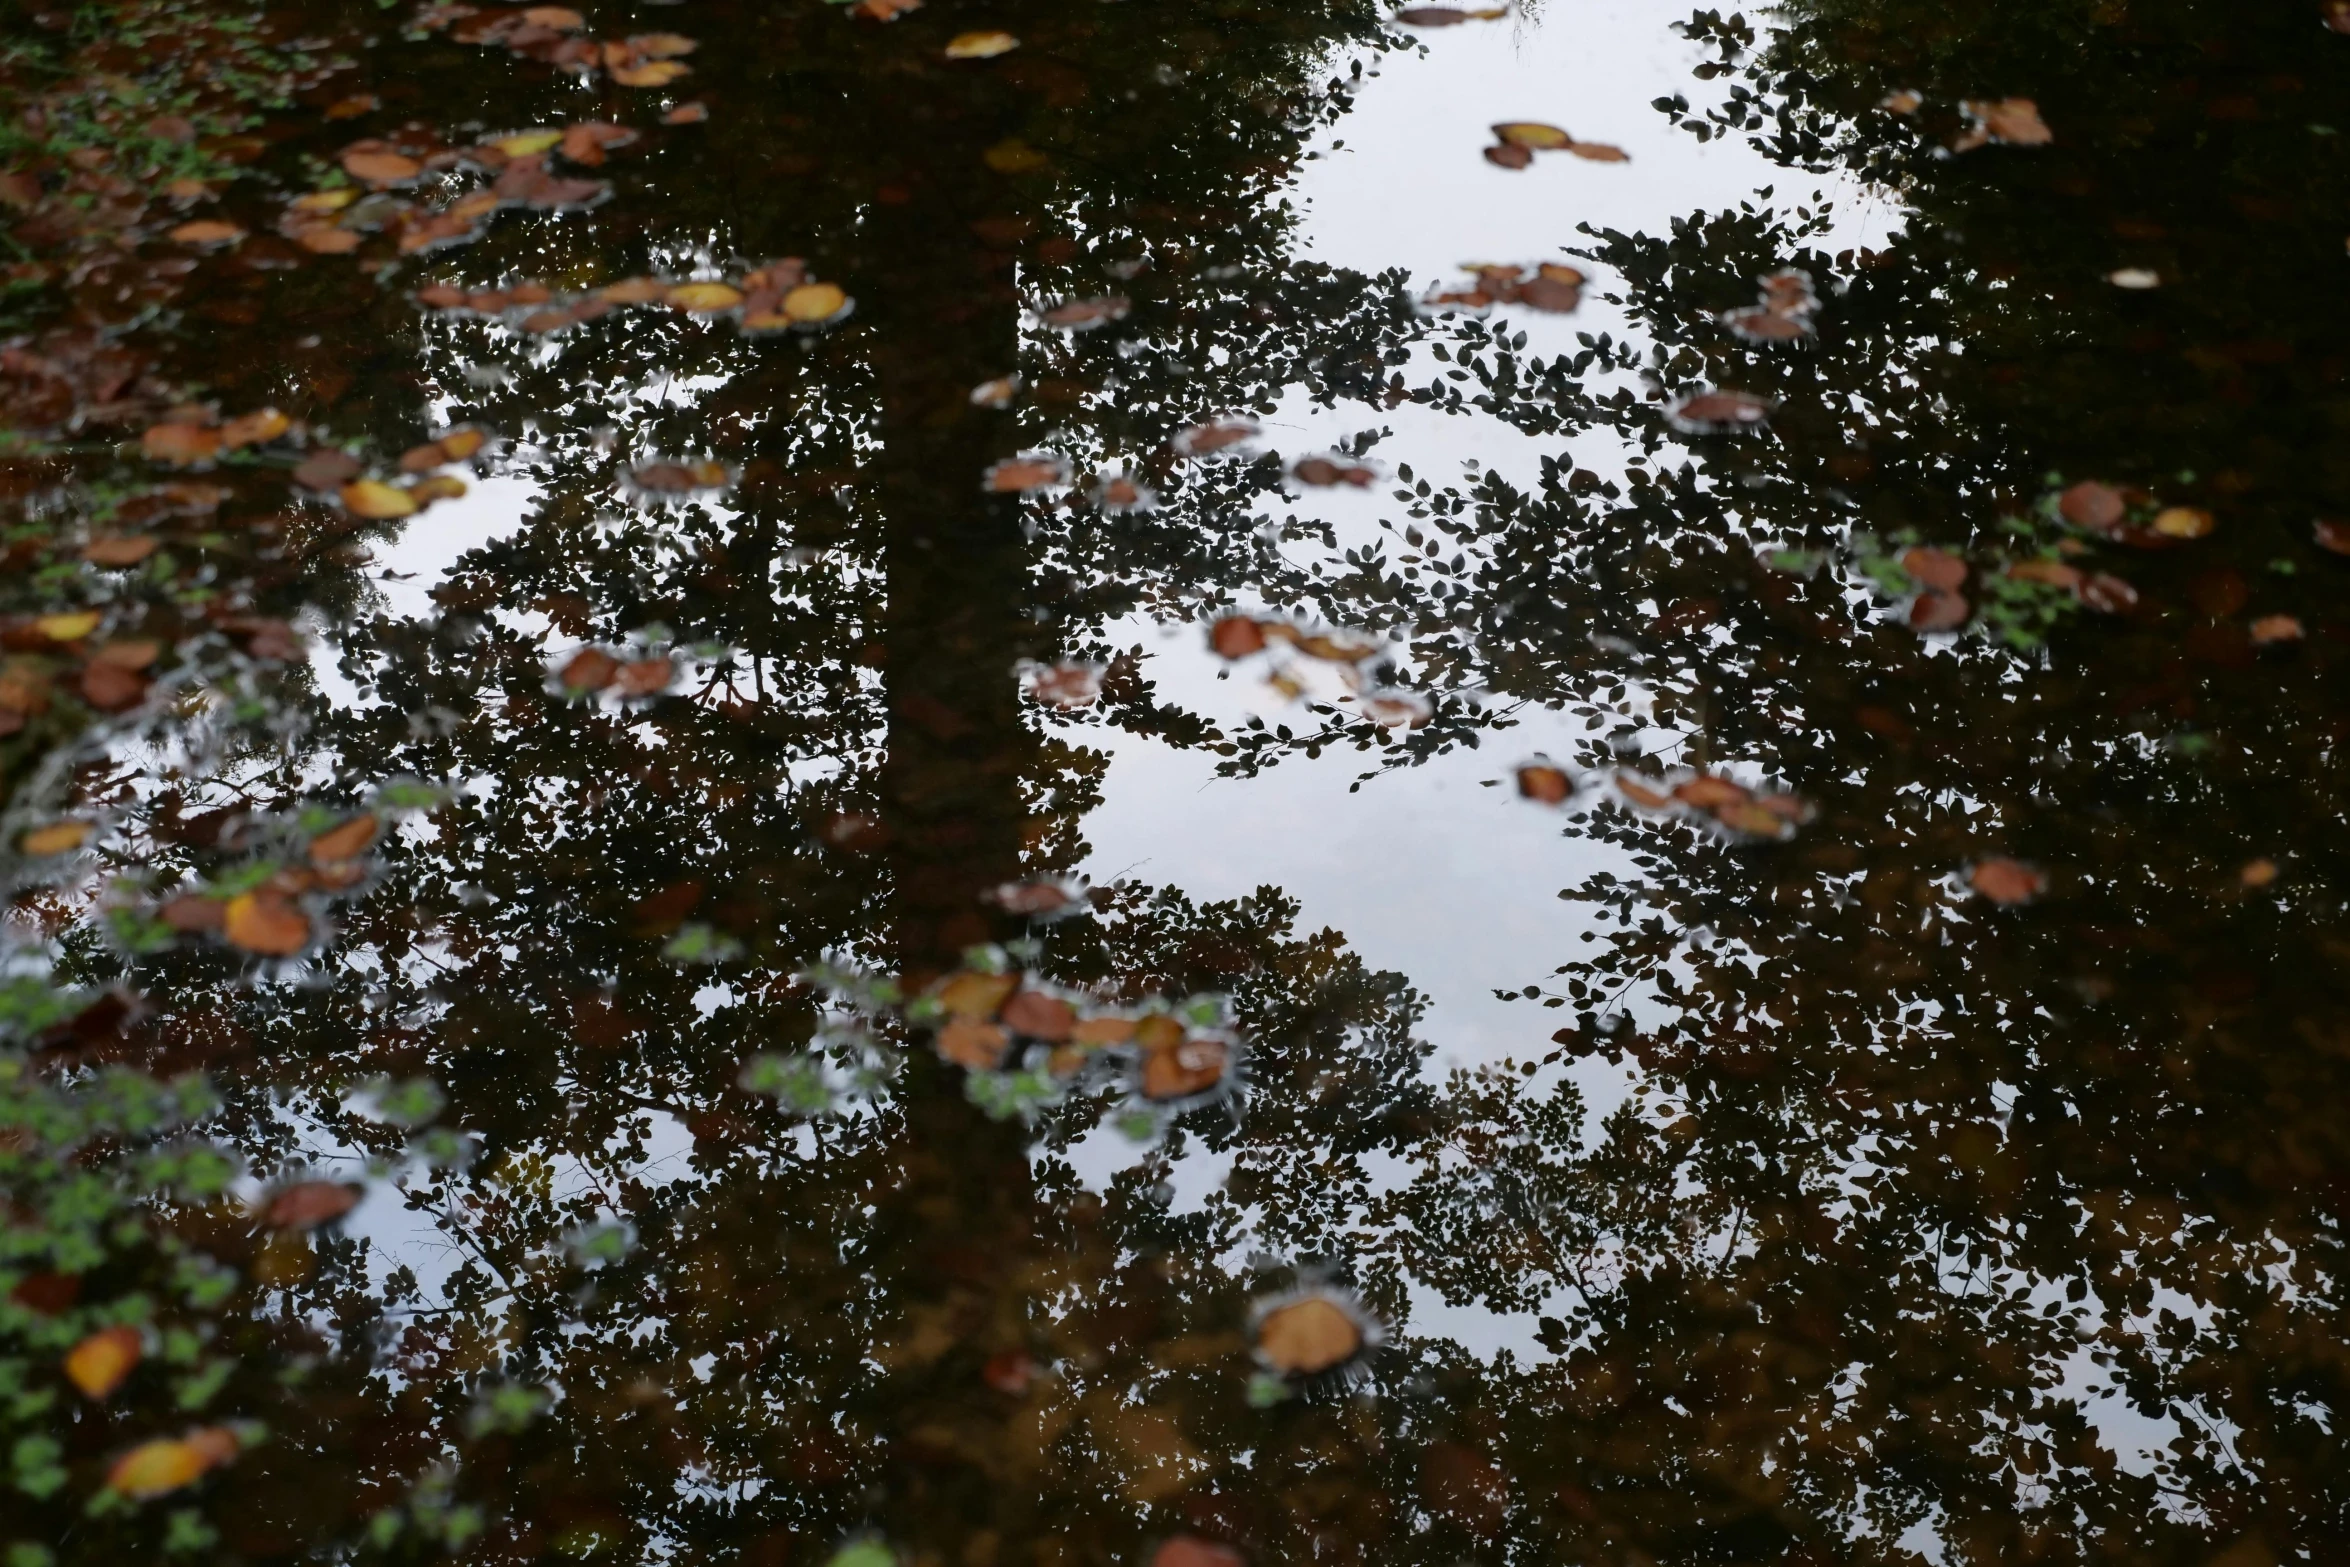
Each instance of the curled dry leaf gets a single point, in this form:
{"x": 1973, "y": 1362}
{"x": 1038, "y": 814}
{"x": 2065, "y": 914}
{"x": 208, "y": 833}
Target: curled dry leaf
{"x": 265, "y": 922}
{"x": 2006, "y": 881}
{"x": 1545, "y": 784}
{"x": 100, "y": 1363}
{"x": 980, "y": 46}
{"x": 1308, "y": 1336}
{"x": 306, "y": 1205}
{"x": 1066, "y": 685}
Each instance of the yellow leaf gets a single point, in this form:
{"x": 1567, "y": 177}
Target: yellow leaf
{"x": 324, "y": 201}
{"x": 814, "y": 302}
{"x": 158, "y": 1468}
{"x": 440, "y": 487}
{"x": 67, "y": 628}
{"x": 376, "y": 500}
{"x": 653, "y": 73}
{"x": 98, "y": 1364}
{"x": 56, "y": 838}
{"x": 980, "y": 46}
{"x": 267, "y": 923}
{"x": 705, "y": 296}
{"x": 1533, "y": 136}
{"x": 263, "y": 424}
{"x": 523, "y": 143}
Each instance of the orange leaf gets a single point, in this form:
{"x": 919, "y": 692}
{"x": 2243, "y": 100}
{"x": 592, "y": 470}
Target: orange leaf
{"x": 99, "y": 1363}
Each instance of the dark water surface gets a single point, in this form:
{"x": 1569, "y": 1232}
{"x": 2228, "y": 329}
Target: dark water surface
{"x": 1689, "y": 917}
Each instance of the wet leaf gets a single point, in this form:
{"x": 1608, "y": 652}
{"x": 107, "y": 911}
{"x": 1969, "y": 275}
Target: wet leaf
{"x": 306, "y": 1205}
{"x": 1932, "y": 611}
{"x": 207, "y": 233}
{"x": 100, "y": 1363}
{"x": 1014, "y": 156}
{"x": 1236, "y": 636}
{"x": 381, "y": 169}
{"x": 266, "y": 923}
{"x": 589, "y": 669}
{"x": 972, "y": 994}
{"x": 1022, "y": 475}
{"x": 1009, "y": 1372}
{"x": 1936, "y": 569}
{"x": 346, "y": 842}
{"x": 180, "y": 444}
{"x": 980, "y": 46}
{"x": 679, "y": 478}
{"x": 2099, "y": 508}
{"x": 2048, "y": 573}
{"x": 158, "y": 1468}
{"x": 1324, "y": 472}
{"x": 1066, "y": 685}
{"x": 377, "y": 501}
{"x": 1532, "y": 135}
{"x": 970, "y": 1043}
{"x": 703, "y": 298}
{"x": 1716, "y": 411}
{"x": 2013, "y": 121}
{"x": 1189, "y": 1550}
{"x": 561, "y": 18}
{"x": 1083, "y": 315}
{"x": 110, "y": 689}
{"x": 1707, "y": 792}
{"x": 630, "y": 67}
{"x": 1309, "y": 1336}
{"x": 56, "y": 838}
{"x": 1545, "y": 784}
{"x": 1202, "y": 439}
{"x": 1039, "y": 1016}
{"x": 2006, "y": 881}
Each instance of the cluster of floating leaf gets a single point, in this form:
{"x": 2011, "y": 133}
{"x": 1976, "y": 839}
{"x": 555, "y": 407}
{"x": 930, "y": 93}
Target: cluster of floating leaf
{"x": 1547, "y": 285}
{"x": 593, "y": 670}
{"x": 1515, "y": 142}
{"x": 196, "y": 437}
{"x": 1281, "y": 643}
{"x": 557, "y": 35}
{"x": 44, "y": 651}
{"x": 1747, "y": 813}
{"x": 779, "y": 297}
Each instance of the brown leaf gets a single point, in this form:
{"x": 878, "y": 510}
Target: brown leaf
{"x": 1720, "y": 410}
{"x": 1322, "y": 472}
{"x": 1066, "y": 685}
{"x": 590, "y": 669}
{"x": 2098, "y": 507}
{"x": 1189, "y": 1550}
{"x": 2270, "y": 630}
{"x": 1932, "y": 611}
{"x": 381, "y": 169}
{"x": 1202, "y": 439}
{"x": 266, "y": 922}
{"x": 1083, "y": 315}
{"x": 645, "y": 677}
{"x": 1509, "y": 155}
{"x": 1308, "y": 1337}
{"x": 1933, "y": 568}
{"x": 1548, "y": 785}
{"x": 2332, "y": 535}
{"x": 1599, "y": 152}
{"x": 181, "y": 444}
{"x": 2015, "y": 121}
{"x": 2006, "y": 881}
{"x": 687, "y": 114}
{"x": 970, "y": 1043}
{"x": 346, "y": 842}
{"x": 124, "y": 549}
{"x": 192, "y": 912}
{"x": 972, "y": 994}
{"x": 1236, "y": 636}
{"x": 2108, "y": 594}
{"x": 306, "y": 1205}
{"x": 326, "y": 470}
{"x": 1186, "y": 1067}
{"x": 1021, "y": 475}
{"x": 110, "y": 689}
{"x": 1040, "y": 1016}
{"x": 160, "y": 1467}
{"x": 207, "y": 233}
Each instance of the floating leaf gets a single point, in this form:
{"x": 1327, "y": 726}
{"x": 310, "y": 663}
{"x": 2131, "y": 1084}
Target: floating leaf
{"x": 377, "y": 501}
{"x": 2134, "y": 278}
{"x": 590, "y": 669}
{"x": 119, "y": 550}
{"x": 1183, "y": 1068}
{"x": 56, "y": 838}
{"x": 1539, "y": 781}
{"x": 2108, "y": 594}
{"x": 1599, "y": 152}
{"x": 207, "y": 233}
{"x": 813, "y": 304}
{"x": 2006, "y": 881}
{"x": 1933, "y": 568}
{"x": 679, "y": 478}
{"x": 1932, "y": 611}
{"x": 970, "y": 1043}
{"x": 2099, "y": 508}
{"x": 1532, "y": 135}
{"x": 1202, "y": 439}
{"x": 158, "y": 1468}
{"x": 99, "y": 1364}
{"x": 181, "y": 444}
{"x": 2183, "y": 522}
{"x": 687, "y": 114}
{"x": 1396, "y": 709}
{"x": 1509, "y": 155}
{"x": 975, "y": 995}
{"x": 381, "y": 168}
{"x": 266, "y": 922}
{"x": 2332, "y": 535}
{"x": 1040, "y": 1016}
{"x": 306, "y": 1205}
{"x": 2014, "y": 121}
{"x": 702, "y": 298}
{"x": 1189, "y": 1550}
{"x": 1066, "y": 685}
{"x": 2270, "y": 630}
{"x": 1083, "y": 315}
{"x": 2258, "y": 873}
{"x": 997, "y": 393}
{"x": 1324, "y": 472}
{"x": 1236, "y": 636}
{"x": 524, "y": 144}
{"x": 1310, "y": 1335}
{"x": 980, "y": 46}
{"x": 1716, "y": 411}
{"x": 70, "y": 626}
{"x": 346, "y": 842}
{"x": 1021, "y": 475}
